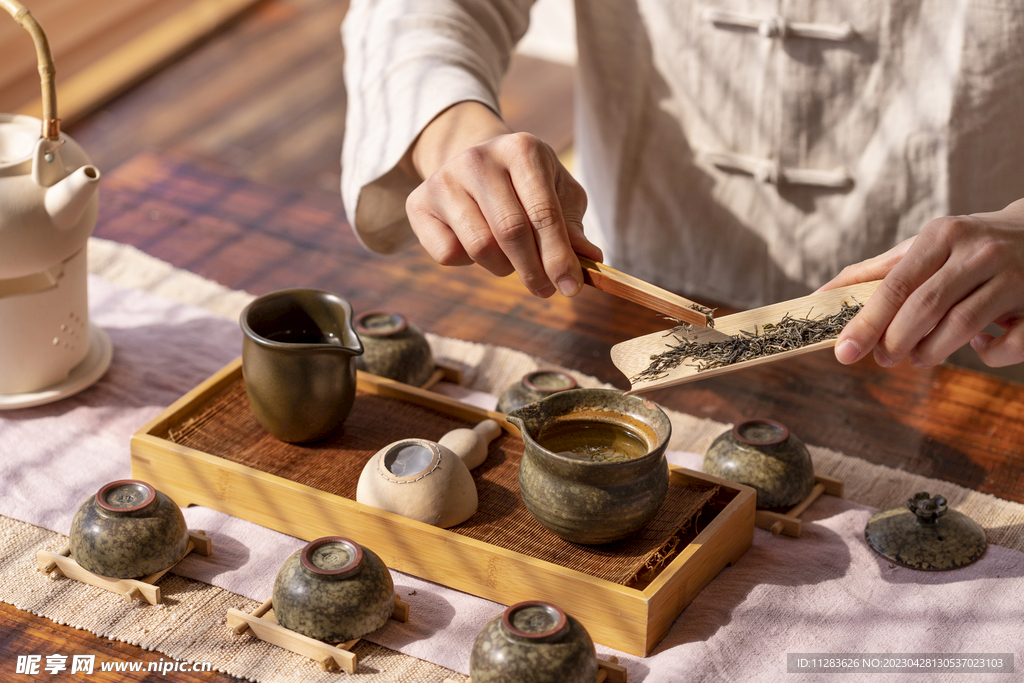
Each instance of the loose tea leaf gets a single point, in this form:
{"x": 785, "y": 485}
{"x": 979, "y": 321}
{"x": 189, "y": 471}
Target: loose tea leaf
{"x": 708, "y": 314}
{"x": 786, "y": 335}
{"x": 688, "y": 327}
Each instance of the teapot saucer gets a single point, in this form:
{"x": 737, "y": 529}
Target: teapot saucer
{"x": 81, "y": 377}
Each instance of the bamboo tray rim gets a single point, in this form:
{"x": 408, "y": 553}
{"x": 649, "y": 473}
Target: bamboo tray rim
{"x": 193, "y": 401}
{"x": 676, "y": 473}
{"x": 632, "y": 619}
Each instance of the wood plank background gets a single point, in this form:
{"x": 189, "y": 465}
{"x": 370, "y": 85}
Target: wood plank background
{"x": 101, "y": 47}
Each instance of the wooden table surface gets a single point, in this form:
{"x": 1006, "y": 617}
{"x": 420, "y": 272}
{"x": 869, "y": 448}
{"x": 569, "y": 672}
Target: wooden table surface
{"x": 946, "y": 422}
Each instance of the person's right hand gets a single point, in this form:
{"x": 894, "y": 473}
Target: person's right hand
{"x": 500, "y": 199}
{"x": 939, "y": 290}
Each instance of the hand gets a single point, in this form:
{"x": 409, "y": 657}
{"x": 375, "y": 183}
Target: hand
{"x": 500, "y": 199}
{"x": 940, "y": 289}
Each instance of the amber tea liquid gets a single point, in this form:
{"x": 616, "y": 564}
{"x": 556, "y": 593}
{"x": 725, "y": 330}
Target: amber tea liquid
{"x": 593, "y": 441}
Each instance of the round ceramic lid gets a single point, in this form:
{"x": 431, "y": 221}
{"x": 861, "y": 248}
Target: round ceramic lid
{"x": 126, "y": 495}
{"x": 332, "y": 556}
{"x": 535, "y": 621}
{"x": 925, "y": 534}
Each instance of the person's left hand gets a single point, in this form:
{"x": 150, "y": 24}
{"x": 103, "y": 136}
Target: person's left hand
{"x": 940, "y": 289}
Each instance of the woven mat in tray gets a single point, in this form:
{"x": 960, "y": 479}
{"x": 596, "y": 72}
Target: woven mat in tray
{"x": 227, "y": 428}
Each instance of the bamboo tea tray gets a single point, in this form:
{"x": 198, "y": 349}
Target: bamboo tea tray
{"x": 632, "y": 618}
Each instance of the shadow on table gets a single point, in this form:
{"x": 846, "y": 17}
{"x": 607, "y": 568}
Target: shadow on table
{"x": 229, "y": 555}
{"x": 428, "y": 614}
{"x": 820, "y": 555}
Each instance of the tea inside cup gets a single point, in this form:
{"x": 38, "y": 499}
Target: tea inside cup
{"x": 593, "y": 468}
{"x": 301, "y": 316}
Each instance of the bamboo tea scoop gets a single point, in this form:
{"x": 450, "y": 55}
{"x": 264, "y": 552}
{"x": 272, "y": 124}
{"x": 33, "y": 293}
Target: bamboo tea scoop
{"x": 634, "y": 355}
{"x": 607, "y": 279}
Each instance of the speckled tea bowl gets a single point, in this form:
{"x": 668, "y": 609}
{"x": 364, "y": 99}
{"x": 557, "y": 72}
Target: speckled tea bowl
{"x": 393, "y": 348}
{"x": 333, "y": 590}
{"x": 585, "y": 501}
{"x": 128, "y": 530}
{"x": 533, "y": 642}
{"x": 533, "y": 387}
{"x": 763, "y": 454}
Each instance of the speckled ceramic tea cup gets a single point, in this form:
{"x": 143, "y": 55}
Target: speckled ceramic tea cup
{"x": 593, "y": 468}
{"x": 533, "y": 387}
{"x": 297, "y": 361}
{"x": 394, "y": 348}
{"x": 533, "y": 642}
{"x": 333, "y": 590}
{"x": 128, "y": 530}
{"x": 763, "y": 454}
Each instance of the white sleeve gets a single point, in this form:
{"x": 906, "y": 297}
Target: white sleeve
{"x": 406, "y": 61}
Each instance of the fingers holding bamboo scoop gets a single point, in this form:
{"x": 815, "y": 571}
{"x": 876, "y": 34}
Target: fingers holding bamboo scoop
{"x": 738, "y": 341}
{"x": 617, "y": 283}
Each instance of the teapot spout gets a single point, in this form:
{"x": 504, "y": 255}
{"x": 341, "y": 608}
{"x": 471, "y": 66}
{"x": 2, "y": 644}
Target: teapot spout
{"x": 66, "y": 200}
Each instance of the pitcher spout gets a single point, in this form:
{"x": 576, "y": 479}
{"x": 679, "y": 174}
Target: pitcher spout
{"x": 516, "y": 419}
{"x": 66, "y": 200}
{"x": 526, "y": 421}
{"x": 349, "y": 342}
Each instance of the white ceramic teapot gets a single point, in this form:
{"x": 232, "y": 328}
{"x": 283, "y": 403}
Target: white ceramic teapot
{"x": 48, "y": 199}
{"x": 48, "y": 208}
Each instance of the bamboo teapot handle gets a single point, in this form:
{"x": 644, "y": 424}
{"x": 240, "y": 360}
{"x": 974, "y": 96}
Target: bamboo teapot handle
{"x": 51, "y": 124}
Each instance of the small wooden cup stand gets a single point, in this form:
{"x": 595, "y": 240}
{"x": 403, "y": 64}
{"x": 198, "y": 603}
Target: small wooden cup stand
{"x": 788, "y": 523}
{"x": 608, "y": 671}
{"x": 263, "y": 625}
{"x": 131, "y": 589}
